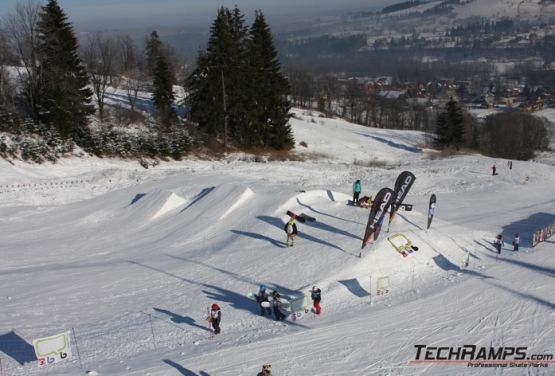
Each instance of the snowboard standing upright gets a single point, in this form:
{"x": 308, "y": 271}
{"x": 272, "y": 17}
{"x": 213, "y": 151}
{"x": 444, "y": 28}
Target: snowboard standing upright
{"x": 431, "y": 210}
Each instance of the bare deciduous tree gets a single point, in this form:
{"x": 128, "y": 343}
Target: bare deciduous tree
{"x": 21, "y": 31}
{"x": 134, "y": 82}
{"x": 99, "y": 54}
{"x": 128, "y": 57}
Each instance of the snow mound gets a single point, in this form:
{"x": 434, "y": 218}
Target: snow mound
{"x": 247, "y": 193}
{"x": 173, "y": 202}
{"x": 154, "y": 204}
{"x": 304, "y": 200}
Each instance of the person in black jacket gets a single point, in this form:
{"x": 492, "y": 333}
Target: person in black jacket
{"x": 316, "y": 295}
{"x": 276, "y": 302}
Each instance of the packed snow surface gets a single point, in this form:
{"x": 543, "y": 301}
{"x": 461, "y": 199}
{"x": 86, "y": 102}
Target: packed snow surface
{"x": 128, "y": 259}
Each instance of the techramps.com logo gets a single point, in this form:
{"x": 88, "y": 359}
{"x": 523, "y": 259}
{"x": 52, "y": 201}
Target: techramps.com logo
{"x": 482, "y": 356}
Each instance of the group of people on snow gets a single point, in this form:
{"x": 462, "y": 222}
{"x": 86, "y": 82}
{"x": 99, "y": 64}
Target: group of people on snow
{"x": 499, "y": 242}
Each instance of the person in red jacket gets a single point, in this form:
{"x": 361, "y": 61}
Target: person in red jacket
{"x": 215, "y": 317}
{"x": 316, "y": 295}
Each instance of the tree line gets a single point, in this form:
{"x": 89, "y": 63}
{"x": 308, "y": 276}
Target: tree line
{"x": 51, "y": 86}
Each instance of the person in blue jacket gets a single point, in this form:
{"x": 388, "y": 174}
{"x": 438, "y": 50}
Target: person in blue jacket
{"x": 357, "y": 188}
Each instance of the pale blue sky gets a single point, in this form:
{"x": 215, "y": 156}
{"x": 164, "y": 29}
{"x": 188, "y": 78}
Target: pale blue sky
{"x": 91, "y": 14}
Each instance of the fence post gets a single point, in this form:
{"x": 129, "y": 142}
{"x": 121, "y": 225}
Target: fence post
{"x": 152, "y": 330}
{"x": 77, "y": 348}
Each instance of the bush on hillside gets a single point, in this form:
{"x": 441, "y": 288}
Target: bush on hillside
{"x": 513, "y": 135}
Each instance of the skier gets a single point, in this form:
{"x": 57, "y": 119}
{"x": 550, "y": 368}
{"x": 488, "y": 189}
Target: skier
{"x": 316, "y": 295}
{"x": 356, "y": 191}
{"x": 266, "y": 370}
{"x": 493, "y": 169}
{"x": 499, "y": 243}
{"x": 276, "y": 301}
{"x": 262, "y": 297}
{"x": 291, "y": 231}
{"x": 215, "y": 317}
{"x": 516, "y": 242}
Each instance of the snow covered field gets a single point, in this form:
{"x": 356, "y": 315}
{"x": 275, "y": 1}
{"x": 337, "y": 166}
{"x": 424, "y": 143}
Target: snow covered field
{"x": 130, "y": 259}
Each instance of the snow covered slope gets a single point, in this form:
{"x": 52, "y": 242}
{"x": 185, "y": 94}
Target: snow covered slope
{"x": 130, "y": 258}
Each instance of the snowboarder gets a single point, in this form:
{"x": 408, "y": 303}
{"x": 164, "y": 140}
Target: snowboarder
{"x": 291, "y": 231}
{"x": 262, "y": 297}
{"x": 499, "y": 243}
{"x": 276, "y": 302}
{"x": 493, "y": 170}
{"x": 215, "y": 317}
{"x": 316, "y": 295}
{"x": 510, "y": 164}
{"x": 356, "y": 191}
{"x": 516, "y": 242}
{"x": 266, "y": 370}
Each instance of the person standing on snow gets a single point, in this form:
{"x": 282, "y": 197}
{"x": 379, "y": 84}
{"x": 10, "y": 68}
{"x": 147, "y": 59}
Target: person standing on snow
{"x": 516, "y": 242}
{"x": 262, "y": 297}
{"x": 276, "y": 302}
{"x": 215, "y": 317}
{"x": 493, "y": 170}
{"x": 316, "y": 295}
{"x": 291, "y": 231}
{"x": 357, "y": 188}
{"x": 499, "y": 243}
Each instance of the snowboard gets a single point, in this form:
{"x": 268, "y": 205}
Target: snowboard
{"x": 307, "y": 217}
{"x": 301, "y": 217}
{"x": 431, "y": 210}
{"x": 295, "y": 216}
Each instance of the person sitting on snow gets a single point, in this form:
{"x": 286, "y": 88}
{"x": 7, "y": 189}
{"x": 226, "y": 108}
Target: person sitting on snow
{"x": 365, "y": 201}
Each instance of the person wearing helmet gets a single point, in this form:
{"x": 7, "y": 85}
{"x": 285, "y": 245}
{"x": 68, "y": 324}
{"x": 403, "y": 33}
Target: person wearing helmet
{"x": 291, "y": 231}
{"x": 262, "y": 297}
{"x": 215, "y": 317}
{"x": 316, "y": 295}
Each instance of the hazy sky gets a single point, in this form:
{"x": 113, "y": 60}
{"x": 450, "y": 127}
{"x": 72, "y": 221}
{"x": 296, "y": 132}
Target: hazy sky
{"x": 100, "y": 14}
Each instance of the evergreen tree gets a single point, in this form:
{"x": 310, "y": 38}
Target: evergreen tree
{"x": 221, "y": 66}
{"x": 270, "y": 107}
{"x": 450, "y": 126}
{"x": 163, "y": 92}
{"x": 153, "y": 49}
{"x": 64, "y": 99}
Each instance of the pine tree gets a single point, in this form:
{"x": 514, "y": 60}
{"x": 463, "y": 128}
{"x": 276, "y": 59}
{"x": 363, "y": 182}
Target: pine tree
{"x": 153, "y": 49}
{"x": 64, "y": 98}
{"x": 270, "y": 107}
{"x": 221, "y": 66}
{"x": 450, "y": 126}
{"x": 163, "y": 92}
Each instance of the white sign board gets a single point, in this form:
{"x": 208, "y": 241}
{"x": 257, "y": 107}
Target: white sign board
{"x": 54, "y": 349}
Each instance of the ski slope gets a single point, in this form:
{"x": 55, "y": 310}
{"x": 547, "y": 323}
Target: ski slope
{"x": 130, "y": 258}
